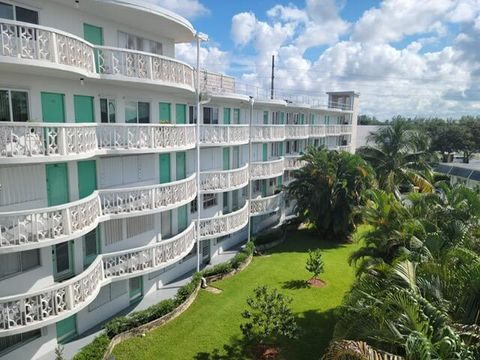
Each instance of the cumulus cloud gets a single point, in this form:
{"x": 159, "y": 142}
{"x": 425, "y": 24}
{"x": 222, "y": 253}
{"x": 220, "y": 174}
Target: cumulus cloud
{"x": 190, "y": 9}
{"x": 211, "y": 57}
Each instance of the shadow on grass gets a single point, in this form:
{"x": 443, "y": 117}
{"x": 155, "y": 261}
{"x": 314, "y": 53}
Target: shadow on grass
{"x": 316, "y": 332}
{"x": 295, "y": 284}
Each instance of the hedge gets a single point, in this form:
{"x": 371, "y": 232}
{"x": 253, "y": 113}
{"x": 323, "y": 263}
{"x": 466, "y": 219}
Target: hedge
{"x": 95, "y": 350}
{"x": 233, "y": 264}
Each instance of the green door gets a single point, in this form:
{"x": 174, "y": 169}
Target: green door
{"x": 53, "y": 107}
{"x": 165, "y": 168}
{"x": 135, "y": 286}
{"x": 265, "y": 117}
{"x": 91, "y": 247}
{"x": 83, "y": 107}
{"x": 87, "y": 177}
{"x": 57, "y": 184}
{"x": 181, "y": 113}
{"x": 226, "y": 115}
{"x": 280, "y": 147}
{"x": 226, "y": 159}
{"x": 182, "y": 218}
{"x": 66, "y": 329}
{"x": 165, "y": 113}
{"x": 282, "y": 118}
{"x": 94, "y": 35}
{"x": 265, "y": 152}
{"x": 181, "y": 166}
{"x": 62, "y": 260}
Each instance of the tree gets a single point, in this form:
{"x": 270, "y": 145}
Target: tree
{"x": 400, "y": 158}
{"x": 328, "y": 189}
{"x": 268, "y": 317}
{"x": 315, "y": 264}
{"x": 368, "y": 120}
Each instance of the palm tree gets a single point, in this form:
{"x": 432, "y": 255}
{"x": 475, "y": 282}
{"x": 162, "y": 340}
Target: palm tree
{"x": 328, "y": 189}
{"x": 399, "y": 157}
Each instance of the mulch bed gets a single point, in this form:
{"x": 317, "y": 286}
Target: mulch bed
{"x": 316, "y": 283}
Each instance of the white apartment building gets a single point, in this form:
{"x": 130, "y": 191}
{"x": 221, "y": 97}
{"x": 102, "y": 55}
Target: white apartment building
{"x": 98, "y": 163}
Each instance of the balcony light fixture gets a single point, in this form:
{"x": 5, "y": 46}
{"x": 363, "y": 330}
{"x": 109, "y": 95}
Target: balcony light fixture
{"x": 82, "y": 81}
{"x": 77, "y": 4}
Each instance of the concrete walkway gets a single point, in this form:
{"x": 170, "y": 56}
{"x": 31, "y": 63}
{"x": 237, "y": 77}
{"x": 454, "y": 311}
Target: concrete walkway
{"x": 167, "y": 291}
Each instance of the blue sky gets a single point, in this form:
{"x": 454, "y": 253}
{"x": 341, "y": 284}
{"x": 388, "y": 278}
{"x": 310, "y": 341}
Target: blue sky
{"x": 408, "y": 57}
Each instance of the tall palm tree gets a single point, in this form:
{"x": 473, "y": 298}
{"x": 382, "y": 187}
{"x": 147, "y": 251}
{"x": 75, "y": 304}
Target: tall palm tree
{"x": 328, "y": 189}
{"x": 399, "y": 157}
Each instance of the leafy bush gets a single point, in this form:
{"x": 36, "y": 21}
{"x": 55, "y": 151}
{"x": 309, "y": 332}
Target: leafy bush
{"x": 268, "y": 316}
{"x": 238, "y": 259}
{"x": 95, "y": 350}
{"x": 223, "y": 268}
{"x": 233, "y": 264}
{"x": 186, "y": 290}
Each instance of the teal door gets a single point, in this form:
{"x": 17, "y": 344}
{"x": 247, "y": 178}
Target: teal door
{"x": 91, "y": 247}
{"x": 62, "y": 259}
{"x": 265, "y": 152}
{"x": 227, "y": 115}
{"x": 182, "y": 218}
{"x": 226, "y": 159}
{"x": 135, "y": 286}
{"x": 165, "y": 168}
{"x": 181, "y": 169}
{"x": 66, "y": 329}
{"x": 181, "y": 114}
{"x": 83, "y": 107}
{"x": 53, "y": 107}
{"x": 165, "y": 113}
{"x": 87, "y": 177}
{"x": 264, "y": 187}
{"x": 236, "y": 116}
{"x": 265, "y": 117}
{"x": 57, "y": 184}
{"x": 94, "y": 35}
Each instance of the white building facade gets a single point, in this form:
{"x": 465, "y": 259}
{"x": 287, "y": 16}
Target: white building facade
{"x": 98, "y": 169}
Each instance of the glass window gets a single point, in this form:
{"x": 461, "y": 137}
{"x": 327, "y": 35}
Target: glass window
{"x": 107, "y": 111}
{"x": 143, "y": 112}
{"x": 131, "y": 112}
{"x": 26, "y": 15}
{"x": 9, "y": 343}
{"x": 91, "y": 243}
{"x": 236, "y": 116}
{"x": 6, "y": 11}
{"x": 134, "y": 42}
{"x": 137, "y": 112}
{"x": 194, "y": 206}
{"x": 210, "y": 115}
{"x": 18, "y": 262}
{"x": 166, "y": 224}
{"x": 13, "y": 105}
{"x": 209, "y": 200}
{"x": 192, "y": 112}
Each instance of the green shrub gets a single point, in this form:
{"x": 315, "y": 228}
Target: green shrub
{"x": 186, "y": 290}
{"x": 95, "y": 350}
{"x": 238, "y": 259}
{"x": 223, "y": 268}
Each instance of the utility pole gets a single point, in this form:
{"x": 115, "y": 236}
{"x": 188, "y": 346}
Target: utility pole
{"x": 273, "y": 76}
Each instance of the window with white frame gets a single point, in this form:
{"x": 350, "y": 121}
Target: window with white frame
{"x": 13, "y": 105}
{"x": 276, "y": 149}
{"x": 257, "y": 186}
{"x": 134, "y": 42}
{"x": 210, "y": 115}
{"x": 19, "y": 13}
{"x": 108, "y": 110}
{"x": 194, "y": 206}
{"x": 209, "y": 200}
{"x": 192, "y": 114}
{"x": 137, "y": 112}
{"x": 14, "y": 263}
{"x": 236, "y": 116}
{"x": 108, "y": 293}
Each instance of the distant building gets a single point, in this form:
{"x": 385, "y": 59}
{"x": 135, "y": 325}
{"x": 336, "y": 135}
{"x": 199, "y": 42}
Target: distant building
{"x": 363, "y": 131}
{"x": 466, "y": 174}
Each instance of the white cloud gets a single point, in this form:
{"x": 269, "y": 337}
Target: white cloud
{"x": 211, "y": 57}
{"x": 187, "y": 8}
{"x": 243, "y": 28}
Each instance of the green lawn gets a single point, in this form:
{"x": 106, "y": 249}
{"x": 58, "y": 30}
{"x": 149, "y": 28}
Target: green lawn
{"x": 209, "y": 329}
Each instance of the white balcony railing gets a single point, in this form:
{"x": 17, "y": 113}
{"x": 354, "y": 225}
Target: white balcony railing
{"x": 20, "y": 230}
{"x": 293, "y": 162}
{"x": 217, "y": 83}
{"x": 46, "y": 142}
{"x": 224, "y": 180}
{"x": 296, "y": 131}
{"x": 49, "y": 46}
{"x": 317, "y": 131}
{"x": 141, "y": 65}
{"x": 212, "y": 135}
{"x": 224, "y": 224}
{"x": 346, "y": 129}
{"x": 267, "y": 169}
{"x": 333, "y": 129}
{"x": 267, "y": 133}
{"x": 266, "y": 205}
{"x": 37, "y": 309}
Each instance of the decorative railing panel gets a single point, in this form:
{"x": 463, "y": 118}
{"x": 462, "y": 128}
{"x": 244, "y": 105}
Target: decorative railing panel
{"x": 224, "y": 224}
{"x": 217, "y": 83}
{"x": 265, "y": 133}
{"x": 296, "y": 131}
{"x": 20, "y": 313}
{"x": 345, "y": 129}
{"x": 293, "y": 162}
{"x": 333, "y": 129}
{"x": 224, "y": 134}
{"x": 267, "y": 169}
{"x": 266, "y": 205}
{"x": 317, "y": 131}
{"x": 226, "y": 180}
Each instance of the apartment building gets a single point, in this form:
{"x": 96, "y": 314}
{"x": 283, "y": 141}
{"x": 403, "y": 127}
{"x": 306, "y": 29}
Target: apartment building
{"x": 101, "y": 190}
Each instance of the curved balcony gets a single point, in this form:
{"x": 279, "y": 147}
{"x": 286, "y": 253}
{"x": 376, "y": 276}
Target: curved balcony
{"x": 266, "y": 205}
{"x": 225, "y": 180}
{"x": 224, "y": 135}
{"x": 27, "y": 229}
{"x": 268, "y": 133}
{"x": 37, "y": 309}
{"x": 333, "y": 130}
{"x": 225, "y": 224}
{"x": 296, "y": 131}
{"x": 267, "y": 169}
{"x": 293, "y": 162}
{"x": 28, "y": 142}
{"x": 317, "y": 131}
{"x": 34, "y": 45}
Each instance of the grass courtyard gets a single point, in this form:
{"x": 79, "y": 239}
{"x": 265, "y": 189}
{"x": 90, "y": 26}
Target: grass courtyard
{"x": 209, "y": 329}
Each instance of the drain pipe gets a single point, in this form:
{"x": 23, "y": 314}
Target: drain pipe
{"x": 251, "y": 101}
